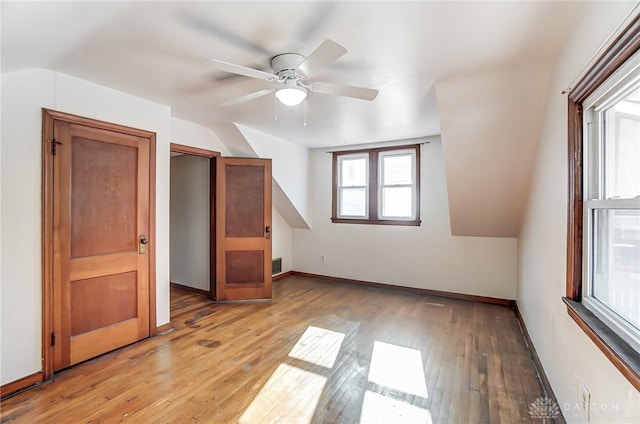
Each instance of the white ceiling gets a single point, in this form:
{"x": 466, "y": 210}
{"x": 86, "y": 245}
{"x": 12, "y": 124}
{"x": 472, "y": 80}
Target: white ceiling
{"x": 488, "y": 62}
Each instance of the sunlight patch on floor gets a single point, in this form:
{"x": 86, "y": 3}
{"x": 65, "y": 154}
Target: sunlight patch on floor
{"x": 318, "y": 346}
{"x": 398, "y": 368}
{"x": 377, "y": 408}
{"x": 290, "y": 395}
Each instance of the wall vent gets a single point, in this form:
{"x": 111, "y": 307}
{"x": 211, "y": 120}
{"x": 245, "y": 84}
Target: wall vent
{"x": 276, "y": 266}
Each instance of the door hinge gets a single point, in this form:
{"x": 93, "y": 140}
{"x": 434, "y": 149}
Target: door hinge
{"x": 54, "y": 146}
{"x": 53, "y": 339}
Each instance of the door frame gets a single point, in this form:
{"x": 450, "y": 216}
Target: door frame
{"x": 211, "y": 155}
{"x": 48, "y": 119}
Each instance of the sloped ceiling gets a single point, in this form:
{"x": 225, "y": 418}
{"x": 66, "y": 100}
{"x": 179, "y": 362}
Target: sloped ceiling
{"x": 476, "y": 72}
{"x": 488, "y": 166}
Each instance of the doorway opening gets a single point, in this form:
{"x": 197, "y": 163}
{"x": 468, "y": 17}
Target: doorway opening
{"x": 192, "y": 221}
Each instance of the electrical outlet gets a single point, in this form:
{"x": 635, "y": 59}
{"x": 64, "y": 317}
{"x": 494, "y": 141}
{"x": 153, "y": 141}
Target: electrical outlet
{"x": 585, "y": 401}
{"x": 323, "y": 258}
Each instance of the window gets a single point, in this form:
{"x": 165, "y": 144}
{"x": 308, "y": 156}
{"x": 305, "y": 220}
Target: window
{"x": 377, "y": 186}
{"x": 611, "y": 212}
{"x": 603, "y": 257}
{"x": 353, "y": 186}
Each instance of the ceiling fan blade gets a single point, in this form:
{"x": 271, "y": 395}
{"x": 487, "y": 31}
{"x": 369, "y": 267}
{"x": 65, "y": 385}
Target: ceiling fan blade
{"x": 321, "y": 57}
{"x": 219, "y": 31}
{"x": 247, "y": 97}
{"x": 227, "y": 76}
{"x": 343, "y": 90}
{"x": 241, "y": 70}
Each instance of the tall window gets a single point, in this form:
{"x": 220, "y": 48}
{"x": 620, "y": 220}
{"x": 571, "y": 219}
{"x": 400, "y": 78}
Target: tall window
{"x": 611, "y": 213}
{"x": 603, "y": 239}
{"x": 377, "y": 186}
{"x": 353, "y": 186}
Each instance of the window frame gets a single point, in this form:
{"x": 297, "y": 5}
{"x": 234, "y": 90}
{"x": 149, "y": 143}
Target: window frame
{"x": 615, "y": 348}
{"x": 412, "y": 185}
{"x": 375, "y": 186}
{"x": 366, "y": 185}
{"x": 596, "y": 195}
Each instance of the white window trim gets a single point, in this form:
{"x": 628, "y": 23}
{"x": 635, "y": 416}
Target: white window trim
{"x": 616, "y": 87}
{"x": 413, "y": 184}
{"x": 340, "y": 187}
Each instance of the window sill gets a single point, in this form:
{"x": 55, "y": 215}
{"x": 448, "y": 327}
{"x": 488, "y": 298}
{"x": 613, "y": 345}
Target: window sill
{"x": 623, "y": 356}
{"x": 376, "y": 222}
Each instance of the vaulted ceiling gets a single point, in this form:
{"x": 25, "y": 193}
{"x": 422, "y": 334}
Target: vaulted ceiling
{"x": 474, "y": 72}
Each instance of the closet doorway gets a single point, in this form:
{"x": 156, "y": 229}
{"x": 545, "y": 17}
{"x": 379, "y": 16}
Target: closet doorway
{"x": 192, "y": 219}
{"x": 220, "y": 224}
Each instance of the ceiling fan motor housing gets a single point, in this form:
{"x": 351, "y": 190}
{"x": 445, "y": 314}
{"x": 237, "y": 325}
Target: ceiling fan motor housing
{"x": 285, "y": 65}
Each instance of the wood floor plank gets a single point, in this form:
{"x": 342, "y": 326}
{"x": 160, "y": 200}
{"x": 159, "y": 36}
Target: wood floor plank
{"x": 305, "y": 356}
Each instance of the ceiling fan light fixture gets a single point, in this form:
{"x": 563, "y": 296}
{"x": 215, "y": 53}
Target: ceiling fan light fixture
{"x": 291, "y": 95}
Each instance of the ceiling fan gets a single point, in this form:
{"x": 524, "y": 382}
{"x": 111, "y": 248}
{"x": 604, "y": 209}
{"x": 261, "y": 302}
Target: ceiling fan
{"x": 291, "y": 74}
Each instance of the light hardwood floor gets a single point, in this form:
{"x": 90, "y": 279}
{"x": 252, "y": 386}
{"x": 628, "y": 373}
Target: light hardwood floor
{"x": 318, "y": 352}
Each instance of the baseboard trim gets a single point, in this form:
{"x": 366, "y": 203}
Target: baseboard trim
{"x": 189, "y": 289}
{"x": 20, "y": 385}
{"x": 459, "y": 296}
{"x": 546, "y": 385}
{"x": 281, "y": 276}
{"x": 164, "y": 327}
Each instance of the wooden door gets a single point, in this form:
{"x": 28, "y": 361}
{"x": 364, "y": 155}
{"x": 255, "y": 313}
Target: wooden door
{"x": 243, "y": 203}
{"x": 101, "y": 222}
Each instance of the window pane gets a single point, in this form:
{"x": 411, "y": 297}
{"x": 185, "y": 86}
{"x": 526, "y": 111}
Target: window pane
{"x": 396, "y": 169}
{"x": 622, "y": 148}
{"x": 397, "y": 202}
{"x": 353, "y": 172}
{"x": 353, "y": 202}
{"x": 616, "y": 262}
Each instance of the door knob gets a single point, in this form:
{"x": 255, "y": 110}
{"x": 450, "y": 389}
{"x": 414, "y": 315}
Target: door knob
{"x": 142, "y": 247}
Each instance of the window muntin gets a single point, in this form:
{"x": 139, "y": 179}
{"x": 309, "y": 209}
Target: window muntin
{"x": 611, "y": 243}
{"x": 377, "y": 186}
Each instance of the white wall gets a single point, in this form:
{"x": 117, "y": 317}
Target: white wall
{"x": 189, "y": 221}
{"x": 290, "y": 166}
{"x": 23, "y": 95}
{"x": 281, "y": 240}
{"x": 427, "y": 256}
{"x": 195, "y": 135}
{"x": 567, "y": 354}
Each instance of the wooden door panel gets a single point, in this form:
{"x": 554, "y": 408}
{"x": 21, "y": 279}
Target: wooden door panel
{"x": 243, "y": 269}
{"x": 103, "y": 301}
{"x": 245, "y": 195}
{"x": 101, "y": 281}
{"x": 102, "y": 202}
